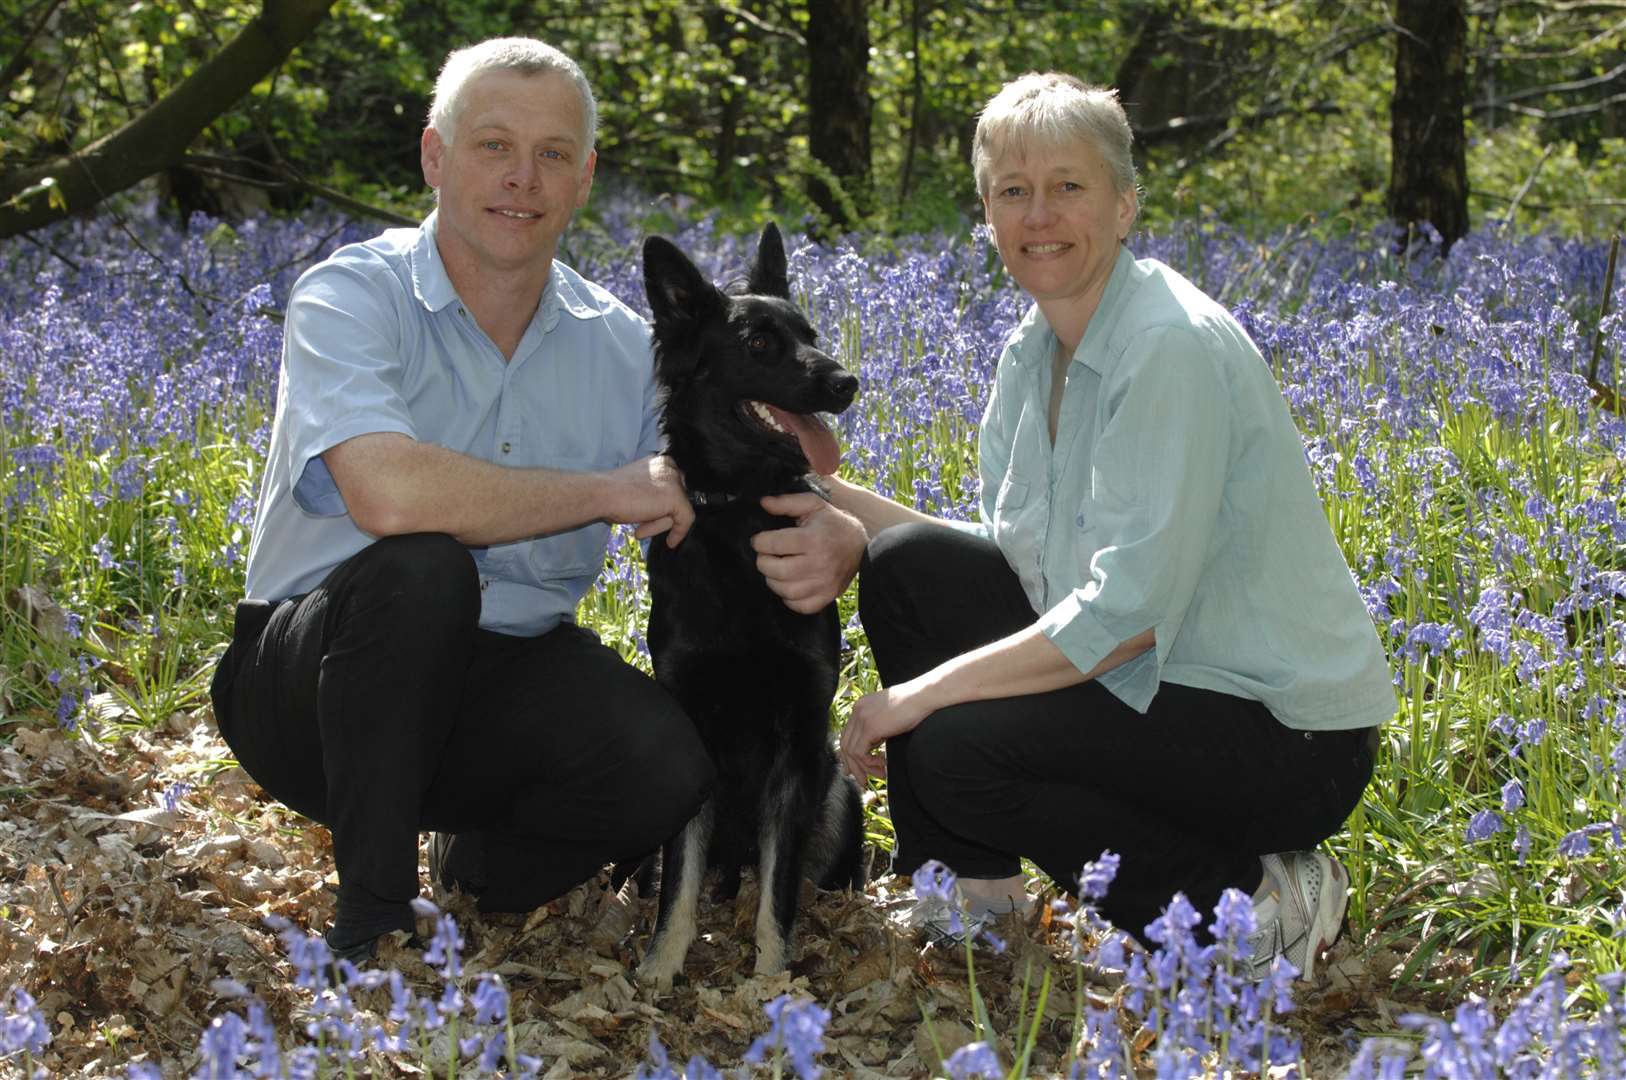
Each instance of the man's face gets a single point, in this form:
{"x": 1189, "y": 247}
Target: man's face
{"x": 517, "y": 168}
{"x": 1057, "y": 219}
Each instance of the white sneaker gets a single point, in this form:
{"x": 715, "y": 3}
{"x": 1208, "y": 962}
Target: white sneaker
{"x": 933, "y": 919}
{"x": 1303, "y": 916}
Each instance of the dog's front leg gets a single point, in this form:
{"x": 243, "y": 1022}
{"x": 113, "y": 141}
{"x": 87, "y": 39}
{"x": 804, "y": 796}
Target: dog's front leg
{"x": 782, "y": 840}
{"x": 683, "y": 865}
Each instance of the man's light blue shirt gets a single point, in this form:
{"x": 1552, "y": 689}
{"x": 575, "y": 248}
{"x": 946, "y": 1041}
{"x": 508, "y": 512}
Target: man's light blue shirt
{"x": 1176, "y": 498}
{"x": 377, "y": 340}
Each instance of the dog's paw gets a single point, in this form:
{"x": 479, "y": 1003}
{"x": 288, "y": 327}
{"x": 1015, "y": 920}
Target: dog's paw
{"x": 770, "y": 958}
{"x": 655, "y": 977}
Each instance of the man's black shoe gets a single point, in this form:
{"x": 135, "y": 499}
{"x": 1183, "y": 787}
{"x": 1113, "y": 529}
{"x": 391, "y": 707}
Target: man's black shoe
{"x": 456, "y": 861}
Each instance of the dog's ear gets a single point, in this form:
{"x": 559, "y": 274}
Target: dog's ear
{"x": 769, "y": 273}
{"x": 678, "y": 292}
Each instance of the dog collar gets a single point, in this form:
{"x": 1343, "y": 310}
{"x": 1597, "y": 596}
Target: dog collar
{"x": 712, "y": 498}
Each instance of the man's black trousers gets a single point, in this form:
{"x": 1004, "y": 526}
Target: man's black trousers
{"x": 377, "y": 706}
{"x": 1189, "y": 795}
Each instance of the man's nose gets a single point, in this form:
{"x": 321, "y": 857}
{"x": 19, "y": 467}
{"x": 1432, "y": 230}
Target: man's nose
{"x": 522, "y": 175}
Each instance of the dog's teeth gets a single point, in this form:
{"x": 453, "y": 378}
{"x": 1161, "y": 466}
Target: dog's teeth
{"x": 766, "y": 416}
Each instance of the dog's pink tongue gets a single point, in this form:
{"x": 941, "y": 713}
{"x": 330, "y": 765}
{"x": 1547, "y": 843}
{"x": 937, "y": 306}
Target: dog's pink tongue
{"x": 818, "y": 443}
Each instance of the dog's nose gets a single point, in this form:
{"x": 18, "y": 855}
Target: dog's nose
{"x": 844, "y": 383}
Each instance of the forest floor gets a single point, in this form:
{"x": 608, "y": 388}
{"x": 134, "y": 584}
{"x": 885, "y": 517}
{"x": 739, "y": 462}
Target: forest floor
{"x": 118, "y": 915}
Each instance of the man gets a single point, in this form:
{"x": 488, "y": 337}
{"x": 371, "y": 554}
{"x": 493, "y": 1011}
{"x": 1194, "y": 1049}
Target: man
{"x": 460, "y": 419}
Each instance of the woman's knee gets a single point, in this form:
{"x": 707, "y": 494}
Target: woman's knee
{"x": 951, "y": 767}
{"x": 892, "y": 562}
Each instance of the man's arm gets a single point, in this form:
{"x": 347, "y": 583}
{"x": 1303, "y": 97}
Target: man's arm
{"x": 394, "y": 484}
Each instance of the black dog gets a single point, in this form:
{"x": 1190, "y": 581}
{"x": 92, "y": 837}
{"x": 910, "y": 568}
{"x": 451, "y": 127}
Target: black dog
{"x": 742, "y": 380}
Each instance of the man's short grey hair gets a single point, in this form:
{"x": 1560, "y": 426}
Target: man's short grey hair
{"x": 1052, "y": 109}
{"x": 527, "y": 56}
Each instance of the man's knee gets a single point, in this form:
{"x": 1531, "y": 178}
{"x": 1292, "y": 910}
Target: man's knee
{"x": 427, "y": 575}
{"x": 675, "y": 774}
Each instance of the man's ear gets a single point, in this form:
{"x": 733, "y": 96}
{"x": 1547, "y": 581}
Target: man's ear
{"x": 769, "y": 272}
{"x": 431, "y": 154}
{"x": 678, "y": 292}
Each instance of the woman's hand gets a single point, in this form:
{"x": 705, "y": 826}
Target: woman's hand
{"x": 877, "y": 717}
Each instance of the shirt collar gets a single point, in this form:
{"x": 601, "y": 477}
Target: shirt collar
{"x": 565, "y": 292}
{"x": 429, "y": 280}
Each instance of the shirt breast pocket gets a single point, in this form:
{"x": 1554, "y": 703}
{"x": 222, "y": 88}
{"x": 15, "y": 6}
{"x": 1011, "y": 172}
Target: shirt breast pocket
{"x": 578, "y": 553}
{"x": 1008, "y": 504}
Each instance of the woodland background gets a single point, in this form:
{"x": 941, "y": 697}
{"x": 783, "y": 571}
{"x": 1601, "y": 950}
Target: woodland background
{"x": 1447, "y": 111}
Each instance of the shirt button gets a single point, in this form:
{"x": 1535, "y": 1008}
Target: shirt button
{"x": 506, "y": 447}
{"x": 461, "y": 312}
{"x": 1079, "y": 521}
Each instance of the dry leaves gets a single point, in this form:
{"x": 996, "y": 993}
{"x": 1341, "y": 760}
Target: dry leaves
{"x": 118, "y": 914}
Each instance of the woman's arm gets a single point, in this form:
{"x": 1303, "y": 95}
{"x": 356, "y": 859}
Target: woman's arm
{"x": 1025, "y": 662}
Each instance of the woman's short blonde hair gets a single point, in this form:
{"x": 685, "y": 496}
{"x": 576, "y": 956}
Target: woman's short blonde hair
{"x": 526, "y": 56}
{"x": 1051, "y": 109}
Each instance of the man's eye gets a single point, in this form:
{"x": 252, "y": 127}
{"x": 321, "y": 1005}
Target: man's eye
{"x": 492, "y": 144}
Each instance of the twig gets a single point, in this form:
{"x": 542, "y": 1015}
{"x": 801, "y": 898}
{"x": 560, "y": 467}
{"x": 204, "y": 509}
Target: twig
{"x": 1603, "y": 308}
{"x": 1518, "y": 197}
{"x": 69, "y": 913}
{"x": 49, "y": 250}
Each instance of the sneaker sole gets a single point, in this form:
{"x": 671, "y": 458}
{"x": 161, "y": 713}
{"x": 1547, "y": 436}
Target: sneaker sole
{"x": 1329, "y": 915}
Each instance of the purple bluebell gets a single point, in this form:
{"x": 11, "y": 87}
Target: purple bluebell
{"x": 796, "y": 1029}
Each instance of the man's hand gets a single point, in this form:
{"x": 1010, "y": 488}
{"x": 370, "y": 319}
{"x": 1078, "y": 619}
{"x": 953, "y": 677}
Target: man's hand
{"x": 807, "y": 566}
{"x": 649, "y": 493}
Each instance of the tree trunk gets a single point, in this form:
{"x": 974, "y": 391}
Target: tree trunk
{"x": 1428, "y": 172}
{"x": 158, "y": 138}
{"x": 838, "y": 103}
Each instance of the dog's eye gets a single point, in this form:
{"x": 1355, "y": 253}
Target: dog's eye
{"x": 758, "y": 342}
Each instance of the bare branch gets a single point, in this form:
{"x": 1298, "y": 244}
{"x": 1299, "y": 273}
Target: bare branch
{"x": 20, "y": 63}
{"x": 284, "y": 177}
{"x": 158, "y": 137}
{"x": 763, "y": 25}
{"x": 1182, "y": 127}
{"x": 1557, "y": 114}
{"x": 1559, "y": 88}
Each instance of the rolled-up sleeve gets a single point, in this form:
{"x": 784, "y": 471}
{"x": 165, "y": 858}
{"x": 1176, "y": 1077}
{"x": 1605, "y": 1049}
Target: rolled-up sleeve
{"x": 341, "y": 375}
{"x": 1155, "y": 490}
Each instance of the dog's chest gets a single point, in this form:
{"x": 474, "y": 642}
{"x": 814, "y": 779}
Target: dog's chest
{"x": 709, "y": 595}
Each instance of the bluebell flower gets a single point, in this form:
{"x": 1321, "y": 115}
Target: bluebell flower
{"x": 490, "y": 1000}
{"x": 934, "y": 880}
{"x": 658, "y": 1067}
{"x": 797, "y": 1029}
{"x": 446, "y": 948}
{"x": 1482, "y": 826}
{"x": 1096, "y": 877}
{"x": 974, "y": 1059}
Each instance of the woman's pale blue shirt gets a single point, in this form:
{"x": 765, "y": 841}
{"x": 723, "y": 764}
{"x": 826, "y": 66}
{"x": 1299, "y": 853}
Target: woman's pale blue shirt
{"x": 1176, "y": 498}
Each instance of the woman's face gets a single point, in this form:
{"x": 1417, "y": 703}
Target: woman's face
{"x": 1058, "y": 220}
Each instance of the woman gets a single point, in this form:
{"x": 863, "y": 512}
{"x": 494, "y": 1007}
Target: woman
{"x": 1151, "y": 643}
